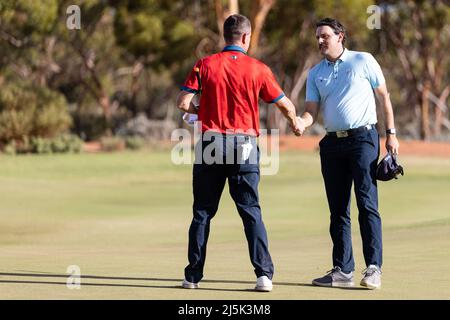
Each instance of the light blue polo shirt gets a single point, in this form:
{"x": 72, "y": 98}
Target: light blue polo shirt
{"x": 344, "y": 90}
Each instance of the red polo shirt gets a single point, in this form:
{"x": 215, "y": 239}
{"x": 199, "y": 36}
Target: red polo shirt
{"x": 232, "y": 82}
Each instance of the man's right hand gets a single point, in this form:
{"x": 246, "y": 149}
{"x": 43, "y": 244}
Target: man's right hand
{"x": 298, "y": 127}
{"x": 288, "y": 109}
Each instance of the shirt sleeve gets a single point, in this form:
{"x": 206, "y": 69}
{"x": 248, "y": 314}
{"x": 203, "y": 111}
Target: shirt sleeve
{"x": 312, "y": 92}
{"x": 373, "y": 72}
{"x": 270, "y": 90}
{"x": 191, "y": 84}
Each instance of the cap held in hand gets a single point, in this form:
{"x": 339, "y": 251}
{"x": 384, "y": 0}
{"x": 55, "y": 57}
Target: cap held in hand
{"x": 388, "y": 168}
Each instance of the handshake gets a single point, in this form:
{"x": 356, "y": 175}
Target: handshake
{"x": 298, "y": 126}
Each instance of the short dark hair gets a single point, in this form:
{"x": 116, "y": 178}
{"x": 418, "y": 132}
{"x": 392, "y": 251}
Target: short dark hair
{"x": 234, "y": 26}
{"x": 333, "y": 24}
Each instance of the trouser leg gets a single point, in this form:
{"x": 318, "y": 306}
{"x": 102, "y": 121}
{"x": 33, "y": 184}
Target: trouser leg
{"x": 364, "y": 174}
{"x": 337, "y": 177}
{"x": 208, "y": 184}
{"x": 244, "y": 191}
{"x": 243, "y": 181}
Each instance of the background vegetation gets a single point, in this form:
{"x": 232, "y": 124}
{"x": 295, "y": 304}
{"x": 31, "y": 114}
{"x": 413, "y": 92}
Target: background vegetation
{"x": 119, "y": 74}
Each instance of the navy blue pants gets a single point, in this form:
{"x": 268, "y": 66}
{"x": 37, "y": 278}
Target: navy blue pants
{"x": 345, "y": 161}
{"x": 208, "y": 183}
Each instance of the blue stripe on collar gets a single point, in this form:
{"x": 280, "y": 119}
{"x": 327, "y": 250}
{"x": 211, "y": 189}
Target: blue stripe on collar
{"x": 234, "y": 48}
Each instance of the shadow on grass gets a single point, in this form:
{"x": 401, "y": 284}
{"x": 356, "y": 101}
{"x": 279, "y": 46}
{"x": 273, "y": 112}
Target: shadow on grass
{"x": 116, "y": 285}
{"x": 53, "y": 275}
{"x": 39, "y": 274}
{"x": 89, "y": 284}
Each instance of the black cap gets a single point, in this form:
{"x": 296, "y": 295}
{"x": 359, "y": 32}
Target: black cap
{"x": 388, "y": 168}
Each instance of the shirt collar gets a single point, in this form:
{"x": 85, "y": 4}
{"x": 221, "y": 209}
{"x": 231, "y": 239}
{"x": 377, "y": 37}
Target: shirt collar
{"x": 234, "y": 48}
{"x": 342, "y": 58}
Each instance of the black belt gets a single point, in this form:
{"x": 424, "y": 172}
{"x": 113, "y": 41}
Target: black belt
{"x": 350, "y": 132}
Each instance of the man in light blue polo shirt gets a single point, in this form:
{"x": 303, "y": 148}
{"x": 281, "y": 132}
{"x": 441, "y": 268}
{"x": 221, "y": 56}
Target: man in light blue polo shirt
{"x": 342, "y": 86}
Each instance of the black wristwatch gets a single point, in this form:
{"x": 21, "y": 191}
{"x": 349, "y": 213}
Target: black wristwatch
{"x": 391, "y": 131}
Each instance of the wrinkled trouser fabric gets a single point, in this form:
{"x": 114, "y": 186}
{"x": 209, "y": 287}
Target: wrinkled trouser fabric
{"x": 345, "y": 161}
{"x": 208, "y": 184}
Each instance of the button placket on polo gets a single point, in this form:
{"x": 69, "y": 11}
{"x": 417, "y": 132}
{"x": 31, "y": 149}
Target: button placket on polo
{"x": 335, "y": 69}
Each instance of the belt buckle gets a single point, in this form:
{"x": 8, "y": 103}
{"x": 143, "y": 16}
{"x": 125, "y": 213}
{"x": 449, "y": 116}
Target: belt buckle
{"x": 341, "y": 134}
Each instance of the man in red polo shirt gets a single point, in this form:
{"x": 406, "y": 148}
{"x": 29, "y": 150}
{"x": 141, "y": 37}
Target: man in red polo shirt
{"x": 230, "y": 83}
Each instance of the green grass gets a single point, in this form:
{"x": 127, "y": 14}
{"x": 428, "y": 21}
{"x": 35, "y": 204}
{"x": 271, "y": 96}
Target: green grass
{"x": 123, "y": 219}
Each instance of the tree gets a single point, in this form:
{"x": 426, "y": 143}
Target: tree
{"x": 156, "y": 35}
{"x": 417, "y": 34}
{"x": 130, "y": 56}
{"x": 30, "y": 110}
{"x": 44, "y": 51}
{"x": 23, "y": 27}
{"x": 28, "y": 107}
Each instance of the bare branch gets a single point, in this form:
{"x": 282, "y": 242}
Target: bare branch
{"x": 11, "y": 39}
{"x": 260, "y": 9}
{"x": 222, "y": 13}
{"x": 301, "y": 78}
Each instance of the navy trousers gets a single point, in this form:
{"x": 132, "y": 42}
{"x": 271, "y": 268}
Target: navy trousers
{"x": 208, "y": 183}
{"x": 345, "y": 161}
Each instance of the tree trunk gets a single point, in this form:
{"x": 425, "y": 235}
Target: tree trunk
{"x": 97, "y": 89}
{"x": 424, "y": 128}
{"x": 134, "y": 87}
{"x": 223, "y": 13}
{"x": 259, "y": 11}
{"x": 439, "y": 111}
{"x": 301, "y": 77}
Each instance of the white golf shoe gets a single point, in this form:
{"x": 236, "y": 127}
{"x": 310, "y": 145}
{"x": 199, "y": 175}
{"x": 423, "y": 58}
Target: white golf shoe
{"x": 189, "y": 285}
{"x": 372, "y": 277}
{"x": 263, "y": 284}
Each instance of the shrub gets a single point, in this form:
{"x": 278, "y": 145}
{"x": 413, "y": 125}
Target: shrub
{"x": 28, "y": 110}
{"x": 89, "y": 125}
{"x": 134, "y": 142}
{"x": 10, "y": 148}
{"x": 41, "y": 145}
{"x": 66, "y": 143}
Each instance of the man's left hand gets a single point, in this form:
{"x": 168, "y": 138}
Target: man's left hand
{"x": 298, "y": 127}
{"x": 392, "y": 144}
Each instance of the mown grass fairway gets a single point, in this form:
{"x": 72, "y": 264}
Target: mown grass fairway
{"x": 123, "y": 219}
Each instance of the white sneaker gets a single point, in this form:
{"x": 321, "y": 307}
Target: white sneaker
{"x": 189, "y": 285}
{"x": 372, "y": 277}
{"x": 263, "y": 284}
